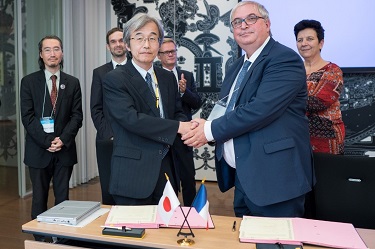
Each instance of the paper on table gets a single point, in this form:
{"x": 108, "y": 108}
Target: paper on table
{"x": 133, "y": 216}
{"x": 269, "y": 230}
{"x": 147, "y": 217}
{"x": 327, "y": 233}
{"x": 316, "y": 232}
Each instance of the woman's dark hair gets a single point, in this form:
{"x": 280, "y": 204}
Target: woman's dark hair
{"x": 312, "y": 24}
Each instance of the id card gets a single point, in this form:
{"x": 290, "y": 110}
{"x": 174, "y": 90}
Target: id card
{"x": 48, "y": 124}
{"x": 219, "y": 109}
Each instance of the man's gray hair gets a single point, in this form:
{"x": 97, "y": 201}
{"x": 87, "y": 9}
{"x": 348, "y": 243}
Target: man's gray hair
{"x": 139, "y": 21}
{"x": 262, "y": 10}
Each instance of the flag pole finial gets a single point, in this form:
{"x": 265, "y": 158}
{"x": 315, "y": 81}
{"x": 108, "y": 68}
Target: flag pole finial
{"x": 203, "y": 180}
{"x": 166, "y": 176}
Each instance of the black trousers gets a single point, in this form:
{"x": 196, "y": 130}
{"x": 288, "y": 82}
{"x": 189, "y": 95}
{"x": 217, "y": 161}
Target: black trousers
{"x": 186, "y": 170}
{"x": 104, "y": 149}
{"x": 41, "y": 179}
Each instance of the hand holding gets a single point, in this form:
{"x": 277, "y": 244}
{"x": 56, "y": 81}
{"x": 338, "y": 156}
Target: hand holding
{"x": 184, "y": 127}
{"x": 196, "y": 137}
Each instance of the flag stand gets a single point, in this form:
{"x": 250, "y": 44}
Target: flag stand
{"x": 197, "y": 202}
{"x": 185, "y": 241}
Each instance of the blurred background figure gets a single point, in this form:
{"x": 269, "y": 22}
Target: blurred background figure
{"x": 324, "y": 83}
{"x": 99, "y": 114}
{"x": 190, "y": 101}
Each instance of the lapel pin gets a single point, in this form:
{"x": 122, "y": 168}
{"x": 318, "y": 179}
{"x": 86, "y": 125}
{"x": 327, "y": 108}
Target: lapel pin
{"x": 62, "y": 86}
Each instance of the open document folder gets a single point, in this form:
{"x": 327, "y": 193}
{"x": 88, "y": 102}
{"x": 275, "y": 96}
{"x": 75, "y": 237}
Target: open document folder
{"x": 298, "y": 230}
{"x": 147, "y": 217}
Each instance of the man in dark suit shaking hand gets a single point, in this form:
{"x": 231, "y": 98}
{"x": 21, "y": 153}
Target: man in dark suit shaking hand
{"x": 99, "y": 114}
{"x": 51, "y": 111}
{"x": 145, "y": 112}
{"x": 262, "y": 135}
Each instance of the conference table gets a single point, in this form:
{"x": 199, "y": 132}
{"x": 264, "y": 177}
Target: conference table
{"x": 90, "y": 236}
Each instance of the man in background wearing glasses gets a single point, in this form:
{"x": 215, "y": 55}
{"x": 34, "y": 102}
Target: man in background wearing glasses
{"x": 262, "y": 136}
{"x": 145, "y": 113}
{"x": 190, "y": 101}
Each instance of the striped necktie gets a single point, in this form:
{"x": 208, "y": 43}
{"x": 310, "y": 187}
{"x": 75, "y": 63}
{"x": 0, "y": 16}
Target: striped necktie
{"x": 240, "y": 78}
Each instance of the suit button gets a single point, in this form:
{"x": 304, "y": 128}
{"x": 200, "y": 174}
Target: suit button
{"x": 160, "y": 152}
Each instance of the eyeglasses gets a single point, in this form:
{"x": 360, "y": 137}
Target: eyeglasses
{"x": 141, "y": 39}
{"x": 170, "y": 52}
{"x": 250, "y": 19}
{"x": 49, "y": 50}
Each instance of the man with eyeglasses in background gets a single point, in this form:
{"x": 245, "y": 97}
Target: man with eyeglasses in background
{"x": 190, "y": 101}
{"x": 262, "y": 136}
{"x": 99, "y": 114}
{"x": 51, "y": 112}
{"x": 145, "y": 112}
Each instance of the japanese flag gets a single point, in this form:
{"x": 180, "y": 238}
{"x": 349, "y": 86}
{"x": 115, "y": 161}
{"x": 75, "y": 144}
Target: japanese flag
{"x": 168, "y": 203}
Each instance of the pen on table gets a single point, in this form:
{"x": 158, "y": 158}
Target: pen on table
{"x": 234, "y": 226}
{"x": 118, "y": 228}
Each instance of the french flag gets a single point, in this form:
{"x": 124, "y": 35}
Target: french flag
{"x": 201, "y": 204}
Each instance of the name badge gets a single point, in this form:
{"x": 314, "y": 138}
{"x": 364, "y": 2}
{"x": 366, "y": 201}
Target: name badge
{"x": 219, "y": 109}
{"x": 48, "y": 124}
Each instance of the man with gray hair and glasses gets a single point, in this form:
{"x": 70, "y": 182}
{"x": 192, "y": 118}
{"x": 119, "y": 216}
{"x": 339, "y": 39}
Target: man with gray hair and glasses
{"x": 262, "y": 134}
{"x": 145, "y": 112}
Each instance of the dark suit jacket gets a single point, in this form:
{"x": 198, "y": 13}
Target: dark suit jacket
{"x": 68, "y": 119}
{"x": 269, "y": 128}
{"x": 190, "y": 99}
{"x": 139, "y": 132}
{"x": 98, "y": 112}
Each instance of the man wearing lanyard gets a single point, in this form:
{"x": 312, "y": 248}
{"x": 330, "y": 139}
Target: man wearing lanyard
{"x": 262, "y": 137}
{"x": 51, "y": 111}
{"x": 145, "y": 112}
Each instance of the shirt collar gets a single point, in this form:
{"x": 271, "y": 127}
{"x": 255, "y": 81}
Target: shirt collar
{"x": 114, "y": 63}
{"x": 257, "y": 52}
{"x": 48, "y": 74}
{"x": 174, "y": 70}
{"x": 142, "y": 71}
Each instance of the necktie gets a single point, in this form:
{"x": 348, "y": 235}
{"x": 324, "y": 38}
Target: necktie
{"x": 53, "y": 92}
{"x": 240, "y": 78}
{"x": 118, "y": 65}
{"x": 149, "y": 83}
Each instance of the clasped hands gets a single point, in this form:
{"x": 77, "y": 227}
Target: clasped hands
{"x": 56, "y": 145}
{"x": 192, "y": 133}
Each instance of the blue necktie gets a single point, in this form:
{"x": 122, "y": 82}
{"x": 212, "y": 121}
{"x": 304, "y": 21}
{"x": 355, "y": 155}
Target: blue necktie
{"x": 240, "y": 78}
{"x": 149, "y": 84}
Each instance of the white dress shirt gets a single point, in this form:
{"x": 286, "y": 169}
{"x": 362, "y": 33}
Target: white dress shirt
{"x": 229, "y": 153}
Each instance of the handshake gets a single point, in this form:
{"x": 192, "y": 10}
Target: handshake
{"x": 192, "y": 133}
